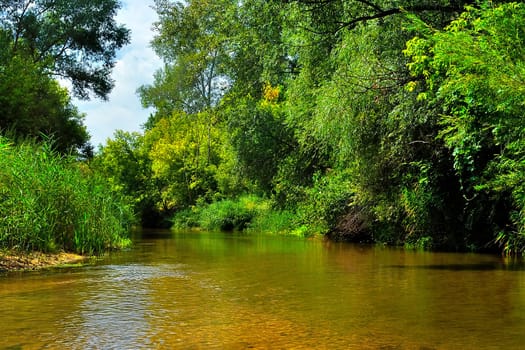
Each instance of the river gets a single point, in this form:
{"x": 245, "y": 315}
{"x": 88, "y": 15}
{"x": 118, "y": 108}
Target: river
{"x": 238, "y": 291}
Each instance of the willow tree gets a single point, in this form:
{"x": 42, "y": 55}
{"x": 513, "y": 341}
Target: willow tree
{"x": 472, "y": 72}
{"x": 351, "y": 112}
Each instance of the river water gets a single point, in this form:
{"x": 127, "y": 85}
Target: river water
{"x": 236, "y": 291}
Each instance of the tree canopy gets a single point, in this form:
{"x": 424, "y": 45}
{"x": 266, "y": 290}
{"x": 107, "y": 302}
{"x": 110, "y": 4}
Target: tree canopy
{"x": 42, "y": 41}
{"x": 75, "y": 40}
{"x": 386, "y": 121}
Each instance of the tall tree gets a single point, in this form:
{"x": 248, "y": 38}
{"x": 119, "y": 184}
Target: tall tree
{"x": 32, "y": 104}
{"x": 193, "y": 46}
{"x": 75, "y": 40}
{"x": 42, "y": 41}
{"x": 472, "y": 73}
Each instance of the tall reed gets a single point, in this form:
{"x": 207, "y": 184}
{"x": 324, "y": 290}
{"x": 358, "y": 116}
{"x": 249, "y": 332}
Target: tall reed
{"x": 49, "y": 202}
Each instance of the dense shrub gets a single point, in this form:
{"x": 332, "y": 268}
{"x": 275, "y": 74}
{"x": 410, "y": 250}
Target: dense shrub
{"x": 248, "y": 212}
{"x": 229, "y": 215}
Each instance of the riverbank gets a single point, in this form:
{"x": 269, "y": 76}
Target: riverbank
{"x": 16, "y": 261}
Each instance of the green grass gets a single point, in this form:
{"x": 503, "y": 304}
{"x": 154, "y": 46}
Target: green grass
{"x": 248, "y": 212}
{"x": 229, "y": 215}
{"x": 276, "y": 222}
{"x": 51, "y": 203}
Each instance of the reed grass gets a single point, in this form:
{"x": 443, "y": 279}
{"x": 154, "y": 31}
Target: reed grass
{"x": 51, "y": 203}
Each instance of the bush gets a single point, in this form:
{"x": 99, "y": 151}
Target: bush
{"x": 186, "y": 218}
{"x": 275, "y": 222}
{"x": 325, "y": 203}
{"x": 50, "y": 203}
{"x": 229, "y": 215}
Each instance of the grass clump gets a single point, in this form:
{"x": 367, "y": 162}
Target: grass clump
{"x": 52, "y": 203}
{"x": 248, "y": 212}
{"x": 229, "y": 215}
{"x": 276, "y": 222}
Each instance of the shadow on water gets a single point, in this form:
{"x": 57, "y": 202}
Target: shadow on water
{"x": 153, "y": 234}
{"x": 14, "y": 347}
{"x": 515, "y": 266}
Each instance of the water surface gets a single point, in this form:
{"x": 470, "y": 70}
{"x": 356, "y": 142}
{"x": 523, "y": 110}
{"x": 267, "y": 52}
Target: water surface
{"x": 235, "y": 291}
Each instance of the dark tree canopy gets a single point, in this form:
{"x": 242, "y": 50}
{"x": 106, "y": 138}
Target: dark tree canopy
{"x": 76, "y": 40}
{"x": 331, "y": 16}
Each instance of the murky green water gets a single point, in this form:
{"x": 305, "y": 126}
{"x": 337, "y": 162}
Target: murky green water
{"x": 224, "y": 291}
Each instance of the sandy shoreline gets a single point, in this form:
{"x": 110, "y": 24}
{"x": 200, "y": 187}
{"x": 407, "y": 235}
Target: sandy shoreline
{"x": 16, "y": 261}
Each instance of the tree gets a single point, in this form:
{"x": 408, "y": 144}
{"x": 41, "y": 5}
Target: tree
{"x": 32, "y": 104}
{"x": 124, "y": 162}
{"x": 75, "y": 40}
{"x": 472, "y": 72}
{"x": 184, "y": 151}
{"x": 331, "y": 16}
{"x": 259, "y": 136}
{"x": 351, "y": 113}
{"x": 211, "y": 48}
{"x": 193, "y": 47}
{"x": 42, "y": 40}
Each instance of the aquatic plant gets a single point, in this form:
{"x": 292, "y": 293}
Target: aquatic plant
{"x": 50, "y": 203}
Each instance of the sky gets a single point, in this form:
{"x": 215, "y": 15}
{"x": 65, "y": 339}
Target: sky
{"x": 134, "y": 67}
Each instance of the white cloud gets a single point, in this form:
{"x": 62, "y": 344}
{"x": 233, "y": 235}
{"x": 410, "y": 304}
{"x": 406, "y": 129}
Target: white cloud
{"x": 135, "y": 67}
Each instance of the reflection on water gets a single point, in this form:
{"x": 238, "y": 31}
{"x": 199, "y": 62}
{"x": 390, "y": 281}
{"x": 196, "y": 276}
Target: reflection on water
{"x": 223, "y": 291}
{"x": 119, "y": 300}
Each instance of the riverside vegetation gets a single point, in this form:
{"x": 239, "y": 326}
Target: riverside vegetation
{"x": 394, "y": 122}
{"x": 51, "y": 201}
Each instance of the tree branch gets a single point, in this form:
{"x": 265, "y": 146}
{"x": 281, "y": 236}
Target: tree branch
{"x": 377, "y": 12}
{"x": 385, "y": 13}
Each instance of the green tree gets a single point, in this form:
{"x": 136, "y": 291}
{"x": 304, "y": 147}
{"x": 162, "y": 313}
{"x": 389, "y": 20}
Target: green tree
{"x": 32, "y": 104}
{"x": 351, "y": 113}
{"x": 125, "y": 163}
{"x": 184, "y": 150}
{"x": 42, "y": 40}
{"x": 76, "y": 40}
{"x": 259, "y": 136}
{"x": 473, "y": 71}
{"x": 191, "y": 41}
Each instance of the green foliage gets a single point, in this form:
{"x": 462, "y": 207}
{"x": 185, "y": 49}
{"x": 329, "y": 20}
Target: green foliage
{"x": 192, "y": 40}
{"x": 186, "y": 218}
{"x": 247, "y": 212}
{"x": 42, "y": 40}
{"x": 474, "y": 71}
{"x": 184, "y": 153}
{"x": 181, "y": 160}
{"x": 125, "y": 164}
{"x": 273, "y": 221}
{"x": 51, "y": 203}
{"x": 259, "y": 138}
{"x": 325, "y": 202}
{"x": 33, "y": 104}
{"x": 397, "y": 121}
{"x": 228, "y": 215}
{"x": 76, "y": 40}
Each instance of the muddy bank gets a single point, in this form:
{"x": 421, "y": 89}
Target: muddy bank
{"x": 15, "y": 261}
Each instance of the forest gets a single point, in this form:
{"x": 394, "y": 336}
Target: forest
{"x": 373, "y": 121}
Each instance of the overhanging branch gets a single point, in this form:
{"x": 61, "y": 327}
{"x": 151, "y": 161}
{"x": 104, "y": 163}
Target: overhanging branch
{"x": 393, "y": 11}
{"x": 372, "y": 11}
